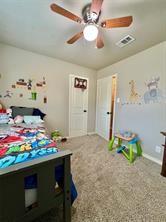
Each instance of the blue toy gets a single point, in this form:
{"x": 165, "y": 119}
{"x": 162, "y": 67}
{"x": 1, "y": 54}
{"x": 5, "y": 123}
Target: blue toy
{"x": 119, "y": 149}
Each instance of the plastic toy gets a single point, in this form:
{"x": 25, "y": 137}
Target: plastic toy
{"x": 127, "y": 150}
{"x": 9, "y": 113}
{"x": 56, "y": 136}
{"x": 119, "y": 149}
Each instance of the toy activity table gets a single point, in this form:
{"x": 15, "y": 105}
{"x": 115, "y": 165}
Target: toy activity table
{"x": 131, "y": 141}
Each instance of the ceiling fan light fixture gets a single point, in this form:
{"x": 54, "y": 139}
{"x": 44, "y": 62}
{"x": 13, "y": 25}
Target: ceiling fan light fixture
{"x": 90, "y": 32}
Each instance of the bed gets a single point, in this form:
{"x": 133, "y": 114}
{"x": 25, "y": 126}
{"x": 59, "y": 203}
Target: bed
{"x": 34, "y": 175}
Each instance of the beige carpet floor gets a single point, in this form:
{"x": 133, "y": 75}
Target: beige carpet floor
{"x": 110, "y": 189}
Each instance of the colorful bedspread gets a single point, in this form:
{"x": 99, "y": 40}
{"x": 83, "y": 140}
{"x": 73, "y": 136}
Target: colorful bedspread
{"x": 20, "y": 143}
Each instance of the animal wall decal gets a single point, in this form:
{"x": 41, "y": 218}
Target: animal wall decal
{"x": 153, "y": 93}
{"x": 134, "y": 97}
{"x": 8, "y": 94}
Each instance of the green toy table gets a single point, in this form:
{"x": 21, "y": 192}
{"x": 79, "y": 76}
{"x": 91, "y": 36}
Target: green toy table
{"x": 131, "y": 141}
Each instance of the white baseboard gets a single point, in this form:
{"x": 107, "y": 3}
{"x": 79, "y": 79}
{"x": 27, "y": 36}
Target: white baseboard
{"x": 91, "y": 133}
{"x": 146, "y": 156}
{"x": 152, "y": 158}
{"x": 70, "y": 137}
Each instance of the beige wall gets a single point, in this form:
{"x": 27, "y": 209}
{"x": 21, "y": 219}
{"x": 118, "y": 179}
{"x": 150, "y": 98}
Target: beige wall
{"x": 16, "y": 63}
{"x": 147, "y": 119}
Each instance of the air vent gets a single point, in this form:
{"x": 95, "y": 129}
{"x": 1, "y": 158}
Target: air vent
{"x": 125, "y": 41}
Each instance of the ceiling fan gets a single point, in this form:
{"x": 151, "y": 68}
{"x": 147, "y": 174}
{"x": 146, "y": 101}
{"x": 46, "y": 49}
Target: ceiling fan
{"x": 91, "y": 15}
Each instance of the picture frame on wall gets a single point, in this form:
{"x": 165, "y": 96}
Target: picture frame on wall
{"x": 80, "y": 83}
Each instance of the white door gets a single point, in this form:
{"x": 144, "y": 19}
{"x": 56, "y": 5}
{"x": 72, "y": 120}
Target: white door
{"x": 103, "y": 107}
{"x": 78, "y": 109}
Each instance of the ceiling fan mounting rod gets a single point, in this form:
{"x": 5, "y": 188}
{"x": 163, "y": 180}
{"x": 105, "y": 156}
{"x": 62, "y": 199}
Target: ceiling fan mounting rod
{"x": 89, "y": 16}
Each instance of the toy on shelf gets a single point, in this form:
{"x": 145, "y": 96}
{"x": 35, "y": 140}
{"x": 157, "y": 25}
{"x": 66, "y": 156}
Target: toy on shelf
{"x": 127, "y": 150}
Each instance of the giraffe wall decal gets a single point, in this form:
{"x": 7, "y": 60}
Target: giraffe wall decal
{"x": 153, "y": 93}
{"x": 134, "y": 96}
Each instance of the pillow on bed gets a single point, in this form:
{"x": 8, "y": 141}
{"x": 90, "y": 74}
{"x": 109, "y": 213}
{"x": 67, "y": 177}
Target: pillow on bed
{"x": 32, "y": 119}
{"x": 22, "y": 111}
{"x": 4, "y": 118}
{"x": 37, "y": 112}
{"x": 18, "y": 119}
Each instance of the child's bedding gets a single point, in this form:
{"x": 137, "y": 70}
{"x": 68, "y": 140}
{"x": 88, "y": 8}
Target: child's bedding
{"x": 20, "y": 143}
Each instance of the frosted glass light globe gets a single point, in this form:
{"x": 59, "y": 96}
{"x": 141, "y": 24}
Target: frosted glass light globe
{"x": 90, "y": 32}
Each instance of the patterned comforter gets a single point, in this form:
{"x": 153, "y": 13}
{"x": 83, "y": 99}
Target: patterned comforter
{"x": 20, "y": 143}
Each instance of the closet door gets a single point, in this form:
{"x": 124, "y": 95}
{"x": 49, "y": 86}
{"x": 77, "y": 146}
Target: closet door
{"x": 103, "y": 107}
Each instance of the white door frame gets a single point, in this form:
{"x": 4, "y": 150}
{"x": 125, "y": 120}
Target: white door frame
{"x": 115, "y": 104}
{"x": 70, "y": 91}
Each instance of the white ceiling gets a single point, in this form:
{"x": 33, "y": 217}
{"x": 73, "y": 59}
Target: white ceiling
{"x": 31, "y": 25}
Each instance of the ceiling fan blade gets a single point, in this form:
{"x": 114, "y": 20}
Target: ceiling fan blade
{"x": 99, "y": 42}
{"x": 96, "y": 6}
{"x": 75, "y": 38}
{"x": 117, "y": 22}
{"x": 65, "y": 13}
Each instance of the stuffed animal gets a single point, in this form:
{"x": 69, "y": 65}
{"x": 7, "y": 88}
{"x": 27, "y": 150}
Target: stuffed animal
{"x": 9, "y": 113}
{"x": 11, "y": 121}
{"x": 18, "y": 119}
